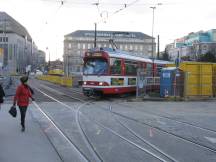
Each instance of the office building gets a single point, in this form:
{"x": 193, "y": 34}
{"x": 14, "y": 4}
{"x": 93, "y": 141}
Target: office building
{"x": 76, "y": 43}
{"x": 193, "y": 45}
{"x": 17, "y": 49}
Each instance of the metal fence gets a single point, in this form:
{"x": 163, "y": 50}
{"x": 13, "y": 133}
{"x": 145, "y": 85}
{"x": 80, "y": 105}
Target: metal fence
{"x": 146, "y": 83}
{"x": 182, "y": 84}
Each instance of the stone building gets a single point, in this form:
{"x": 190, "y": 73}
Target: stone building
{"x": 76, "y": 43}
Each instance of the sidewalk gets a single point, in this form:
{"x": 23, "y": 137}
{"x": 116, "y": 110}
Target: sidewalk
{"x": 29, "y": 146}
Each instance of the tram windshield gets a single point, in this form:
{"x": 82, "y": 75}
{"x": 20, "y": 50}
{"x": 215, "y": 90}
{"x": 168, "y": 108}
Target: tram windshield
{"x": 95, "y": 67}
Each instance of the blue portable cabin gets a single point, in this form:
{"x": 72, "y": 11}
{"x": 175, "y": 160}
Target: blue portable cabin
{"x": 166, "y": 81}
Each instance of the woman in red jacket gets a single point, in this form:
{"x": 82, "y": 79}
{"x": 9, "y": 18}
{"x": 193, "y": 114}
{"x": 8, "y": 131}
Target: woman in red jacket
{"x": 22, "y": 96}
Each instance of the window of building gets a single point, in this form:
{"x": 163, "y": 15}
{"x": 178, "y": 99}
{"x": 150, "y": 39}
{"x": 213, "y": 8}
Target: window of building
{"x": 84, "y": 47}
{"x": 10, "y": 51}
{"x": 121, "y": 47}
{"x": 141, "y": 48}
{"x": 136, "y": 48}
{"x": 78, "y": 69}
{"x": 5, "y": 39}
{"x": 69, "y": 46}
{"x": 131, "y": 47}
{"x": 115, "y": 66}
{"x": 78, "y": 45}
{"x": 78, "y": 53}
{"x": 131, "y": 67}
{"x": 126, "y": 47}
{"x": 89, "y": 45}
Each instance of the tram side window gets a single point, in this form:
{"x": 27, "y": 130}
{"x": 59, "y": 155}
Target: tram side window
{"x": 131, "y": 67}
{"x": 149, "y": 68}
{"x": 115, "y": 66}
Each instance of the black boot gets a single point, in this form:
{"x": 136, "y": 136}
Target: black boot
{"x": 23, "y": 128}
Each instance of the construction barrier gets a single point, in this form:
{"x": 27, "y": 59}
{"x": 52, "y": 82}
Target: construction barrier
{"x": 56, "y": 72}
{"x": 198, "y": 80}
{"x": 61, "y": 80}
{"x": 214, "y": 80}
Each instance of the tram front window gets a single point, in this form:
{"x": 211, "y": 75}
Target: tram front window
{"x": 95, "y": 67}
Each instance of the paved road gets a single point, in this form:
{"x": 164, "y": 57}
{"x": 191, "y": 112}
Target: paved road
{"x": 31, "y": 146}
{"x": 75, "y": 128}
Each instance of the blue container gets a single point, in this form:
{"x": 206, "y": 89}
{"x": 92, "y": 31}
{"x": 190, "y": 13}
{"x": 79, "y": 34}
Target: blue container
{"x": 166, "y": 81}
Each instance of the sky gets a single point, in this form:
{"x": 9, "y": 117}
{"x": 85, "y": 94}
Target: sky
{"x": 48, "y": 21}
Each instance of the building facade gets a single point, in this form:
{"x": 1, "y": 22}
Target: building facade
{"x": 18, "y": 50}
{"x": 39, "y": 61}
{"x": 76, "y": 43}
{"x": 193, "y": 45}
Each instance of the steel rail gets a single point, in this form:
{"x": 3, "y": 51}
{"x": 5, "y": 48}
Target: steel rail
{"x": 108, "y": 129}
{"x": 83, "y": 134}
{"x": 82, "y": 156}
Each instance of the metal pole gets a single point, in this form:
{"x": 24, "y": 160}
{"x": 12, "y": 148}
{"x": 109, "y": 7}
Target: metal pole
{"x": 158, "y": 47}
{"x": 153, "y": 8}
{"x": 95, "y": 38}
{"x": 68, "y": 66}
{"x": 49, "y": 62}
{"x": 137, "y": 84}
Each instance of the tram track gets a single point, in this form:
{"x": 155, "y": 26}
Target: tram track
{"x": 141, "y": 138}
{"x": 167, "y": 132}
{"x": 156, "y": 115}
{"x": 75, "y": 110}
{"x": 163, "y": 130}
{"x": 104, "y": 127}
{"x": 157, "y": 128}
{"x": 175, "y": 120}
{"x": 83, "y": 158}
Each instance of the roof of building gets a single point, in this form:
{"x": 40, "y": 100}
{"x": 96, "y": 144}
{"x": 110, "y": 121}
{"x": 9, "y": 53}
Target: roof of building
{"x": 114, "y": 34}
{"x": 10, "y": 25}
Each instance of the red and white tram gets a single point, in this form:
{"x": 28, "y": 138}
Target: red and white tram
{"x": 110, "y": 71}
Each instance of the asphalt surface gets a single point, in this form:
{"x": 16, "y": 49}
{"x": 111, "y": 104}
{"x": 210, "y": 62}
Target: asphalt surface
{"x": 72, "y": 127}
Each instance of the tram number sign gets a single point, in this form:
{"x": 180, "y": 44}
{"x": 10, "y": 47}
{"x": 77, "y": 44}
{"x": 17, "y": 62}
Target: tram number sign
{"x": 97, "y": 54}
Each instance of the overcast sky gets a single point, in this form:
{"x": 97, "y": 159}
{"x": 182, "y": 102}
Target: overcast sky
{"x": 48, "y": 20}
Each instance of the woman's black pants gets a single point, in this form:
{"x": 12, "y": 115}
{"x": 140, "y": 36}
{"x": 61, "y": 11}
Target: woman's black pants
{"x": 23, "y": 114}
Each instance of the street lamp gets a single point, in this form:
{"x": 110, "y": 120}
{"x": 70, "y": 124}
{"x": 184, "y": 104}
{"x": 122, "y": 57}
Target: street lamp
{"x": 95, "y": 36}
{"x": 153, "y": 8}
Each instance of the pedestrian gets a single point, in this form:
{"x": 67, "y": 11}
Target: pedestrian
{"x": 23, "y": 93}
{"x": 2, "y": 95}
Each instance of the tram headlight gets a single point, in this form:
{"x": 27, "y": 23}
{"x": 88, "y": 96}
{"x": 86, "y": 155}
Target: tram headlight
{"x": 100, "y": 83}
{"x": 84, "y": 83}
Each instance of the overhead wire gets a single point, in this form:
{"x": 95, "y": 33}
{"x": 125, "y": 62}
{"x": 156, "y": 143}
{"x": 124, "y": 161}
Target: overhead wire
{"x": 125, "y": 5}
{"x": 103, "y": 3}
